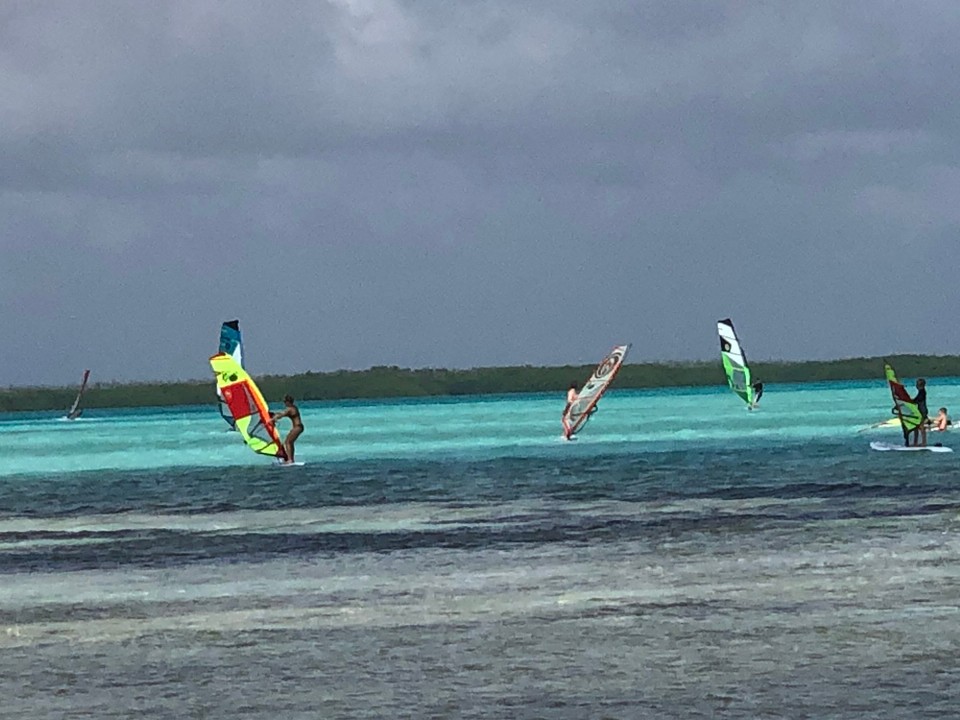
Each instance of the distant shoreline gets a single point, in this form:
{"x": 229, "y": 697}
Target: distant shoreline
{"x": 390, "y": 382}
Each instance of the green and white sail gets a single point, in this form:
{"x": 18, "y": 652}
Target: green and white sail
{"x": 735, "y": 363}
{"x": 903, "y": 405}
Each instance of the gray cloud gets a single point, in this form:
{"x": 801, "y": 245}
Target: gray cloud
{"x": 454, "y": 184}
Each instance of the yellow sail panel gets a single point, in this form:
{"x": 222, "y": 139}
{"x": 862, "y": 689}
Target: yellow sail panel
{"x": 247, "y": 406}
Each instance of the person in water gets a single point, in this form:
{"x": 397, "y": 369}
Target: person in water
{"x": 920, "y": 432}
{"x": 293, "y": 412}
{"x": 941, "y": 421}
{"x": 757, "y": 392}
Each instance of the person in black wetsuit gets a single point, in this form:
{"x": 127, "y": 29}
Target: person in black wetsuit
{"x": 757, "y": 393}
{"x": 920, "y": 432}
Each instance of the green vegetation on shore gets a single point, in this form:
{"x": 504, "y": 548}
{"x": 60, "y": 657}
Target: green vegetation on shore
{"x": 386, "y": 382}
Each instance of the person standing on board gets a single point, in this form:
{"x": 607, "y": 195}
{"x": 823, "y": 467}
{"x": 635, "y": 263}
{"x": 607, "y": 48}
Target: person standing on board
{"x": 920, "y": 432}
{"x": 757, "y": 392}
{"x": 572, "y": 396}
{"x": 293, "y": 412}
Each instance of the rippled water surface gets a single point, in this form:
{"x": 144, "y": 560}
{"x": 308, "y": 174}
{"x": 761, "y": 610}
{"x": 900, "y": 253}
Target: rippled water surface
{"x": 683, "y": 558}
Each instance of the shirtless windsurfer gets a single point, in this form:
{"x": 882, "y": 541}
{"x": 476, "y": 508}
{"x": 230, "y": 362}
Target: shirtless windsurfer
{"x": 941, "y": 422}
{"x": 292, "y": 412}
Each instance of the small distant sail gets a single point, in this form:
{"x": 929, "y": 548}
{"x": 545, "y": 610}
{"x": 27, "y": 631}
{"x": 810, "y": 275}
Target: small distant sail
{"x": 735, "y": 363}
{"x": 232, "y": 345}
{"x": 585, "y": 405}
{"x": 75, "y": 410}
{"x": 246, "y": 406}
{"x": 903, "y": 406}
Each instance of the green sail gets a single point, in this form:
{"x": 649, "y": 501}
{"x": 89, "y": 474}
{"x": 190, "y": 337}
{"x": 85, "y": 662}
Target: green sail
{"x": 903, "y": 405}
{"x": 735, "y": 363}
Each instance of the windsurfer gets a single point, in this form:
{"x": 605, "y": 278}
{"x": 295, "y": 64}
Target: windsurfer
{"x": 572, "y": 395}
{"x": 293, "y": 412}
{"x": 75, "y": 410}
{"x": 920, "y": 432}
{"x": 757, "y": 393}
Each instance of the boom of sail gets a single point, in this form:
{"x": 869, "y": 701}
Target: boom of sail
{"x": 576, "y": 416}
{"x": 246, "y": 406}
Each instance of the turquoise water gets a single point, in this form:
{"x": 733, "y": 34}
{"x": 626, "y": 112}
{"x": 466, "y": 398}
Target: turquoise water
{"x": 456, "y": 558}
{"x": 474, "y": 428}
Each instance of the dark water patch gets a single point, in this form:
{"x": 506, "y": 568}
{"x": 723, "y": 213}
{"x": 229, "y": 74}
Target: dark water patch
{"x": 691, "y": 609}
{"x": 825, "y": 471}
{"x": 65, "y": 550}
{"x": 146, "y": 608}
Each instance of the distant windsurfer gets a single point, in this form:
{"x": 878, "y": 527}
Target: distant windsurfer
{"x": 920, "y": 432}
{"x": 75, "y": 410}
{"x": 757, "y": 393}
{"x": 293, "y": 412}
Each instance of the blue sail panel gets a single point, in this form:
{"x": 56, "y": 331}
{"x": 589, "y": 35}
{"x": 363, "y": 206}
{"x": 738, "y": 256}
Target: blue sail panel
{"x": 231, "y": 344}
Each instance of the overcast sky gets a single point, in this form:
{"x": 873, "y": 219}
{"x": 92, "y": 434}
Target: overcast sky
{"x": 455, "y": 183}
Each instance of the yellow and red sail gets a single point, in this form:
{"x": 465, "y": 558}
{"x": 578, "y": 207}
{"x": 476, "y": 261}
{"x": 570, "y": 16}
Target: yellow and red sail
{"x": 247, "y": 406}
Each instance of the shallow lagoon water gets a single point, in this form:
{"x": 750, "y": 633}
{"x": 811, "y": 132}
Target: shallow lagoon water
{"x": 456, "y": 558}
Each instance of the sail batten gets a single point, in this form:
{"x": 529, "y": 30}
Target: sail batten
{"x": 246, "y": 406}
{"x": 735, "y": 363}
{"x": 576, "y": 416}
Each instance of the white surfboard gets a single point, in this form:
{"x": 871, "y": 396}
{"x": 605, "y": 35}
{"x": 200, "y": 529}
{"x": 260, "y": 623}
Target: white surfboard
{"x": 883, "y": 447}
{"x": 892, "y": 422}
{"x": 293, "y": 464}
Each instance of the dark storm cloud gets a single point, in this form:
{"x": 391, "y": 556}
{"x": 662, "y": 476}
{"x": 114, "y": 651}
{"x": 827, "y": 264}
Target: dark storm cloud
{"x": 460, "y": 183}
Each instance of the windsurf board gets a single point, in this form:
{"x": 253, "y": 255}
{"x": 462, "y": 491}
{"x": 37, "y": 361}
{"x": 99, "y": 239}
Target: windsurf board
{"x": 884, "y": 447}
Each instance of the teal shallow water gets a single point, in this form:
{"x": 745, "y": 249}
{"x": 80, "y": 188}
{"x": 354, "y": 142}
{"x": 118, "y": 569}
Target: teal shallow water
{"x": 474, "y": 428}
{"x": 456, "y": 558}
